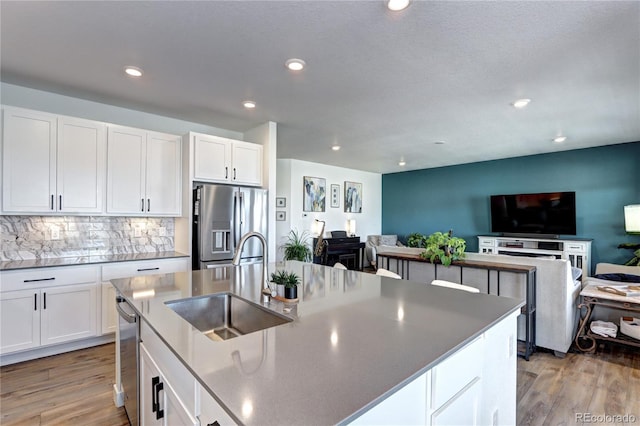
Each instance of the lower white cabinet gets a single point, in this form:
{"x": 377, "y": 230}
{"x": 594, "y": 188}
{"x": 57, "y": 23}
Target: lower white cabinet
{"x": 109, "y": 313}
{"x": 19, "y": 320}
{"x": 39, "y": 317}
{"x": 211, "y": 412}
{"x": 159, "y": 402}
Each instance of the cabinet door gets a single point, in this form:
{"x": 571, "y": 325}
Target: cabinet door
{"x": 29, "y": 161}
{"x": 109, "y": 313}
{"x": 80, "y": 166}
{"x": 212, "y": 159}
{"x": 125, "y": 170}
{"x": 462, "y": 409}
{"x": 68, "y": 313}
{"x": 19, "y": 320}
{"x": 163, "y": 175}
{"x": 175, "y": 411}
{"x": 148, "y": 392}
{"x": 247, "y": 163}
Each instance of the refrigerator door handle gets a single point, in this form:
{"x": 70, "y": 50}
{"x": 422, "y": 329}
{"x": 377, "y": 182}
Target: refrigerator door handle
{"x": 235, "y": 220}
{"x": 242, "y": 212}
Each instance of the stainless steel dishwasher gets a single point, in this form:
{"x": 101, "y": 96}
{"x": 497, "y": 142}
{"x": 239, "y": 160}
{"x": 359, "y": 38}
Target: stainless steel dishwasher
{"x": 129, "y": 325}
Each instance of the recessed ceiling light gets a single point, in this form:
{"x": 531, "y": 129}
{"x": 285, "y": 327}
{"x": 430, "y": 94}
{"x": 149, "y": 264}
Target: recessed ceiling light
{"x": 336, "y": 147}
{"x": 397, "y": 5}
{"x": 439, "y": 142}
{"x": 402, "y": 163}
{"x": 521, "y": 103}
{"x": 133, "y": 71}
{"x": 295, "y": 64}
{"x": 249, "y": 104}
{"x": 559, "y": 139}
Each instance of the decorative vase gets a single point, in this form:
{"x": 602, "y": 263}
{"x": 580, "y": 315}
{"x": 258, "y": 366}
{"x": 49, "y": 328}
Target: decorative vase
{"x": 280, "y": 290}
{"x": 291, "y": 292}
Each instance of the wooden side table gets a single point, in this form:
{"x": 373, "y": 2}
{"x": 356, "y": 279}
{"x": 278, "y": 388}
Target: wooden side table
{"x": 586, "y": 341}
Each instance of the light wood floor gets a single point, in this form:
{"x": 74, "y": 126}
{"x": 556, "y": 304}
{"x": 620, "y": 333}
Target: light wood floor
{"x": 76, "y": 388}
{"x": 69, "y": 389}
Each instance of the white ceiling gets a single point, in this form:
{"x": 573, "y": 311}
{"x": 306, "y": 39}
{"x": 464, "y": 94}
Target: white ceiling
{"x": 385, "y": 86}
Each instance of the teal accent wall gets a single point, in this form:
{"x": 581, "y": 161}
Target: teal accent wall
{"x": 605, "y": 179}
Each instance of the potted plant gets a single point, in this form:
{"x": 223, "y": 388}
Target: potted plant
{"x": 443, "y": 247}
{"x": 416, "y": 240}
{"x": 289, "y": 281}
{"x": 296, "y": 247}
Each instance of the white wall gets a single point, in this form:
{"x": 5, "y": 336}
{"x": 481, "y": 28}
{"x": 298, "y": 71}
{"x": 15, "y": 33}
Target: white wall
{"x": 54, "y": 103}
{"x": 290, "y": 175}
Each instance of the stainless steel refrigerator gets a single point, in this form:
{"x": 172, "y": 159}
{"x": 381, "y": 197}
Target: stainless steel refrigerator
{"x": 222, "y": 214}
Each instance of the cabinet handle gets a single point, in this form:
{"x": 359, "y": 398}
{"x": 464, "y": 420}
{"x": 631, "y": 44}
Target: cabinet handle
{"x": 148, "y": 269}
{"x": 44, "y": 302}
{"x": 226, "y": 172}
{"x": 39, "y": 279}
{"x": 35, "y": 301}
{"x": 60, "y": 204}
{"x": 142, "y": 204}
{"x": 148, "y": 204}
{"x": 154, "y": 403}
{"x": 156, "y": 387}
{"x": 234, "y": 173}
{"x": 215, "y": 423}
{"x": 51, "y": 201}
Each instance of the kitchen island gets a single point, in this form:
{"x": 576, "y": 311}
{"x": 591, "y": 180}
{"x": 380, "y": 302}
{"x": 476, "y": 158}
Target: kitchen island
{"x": 361, "y": 348}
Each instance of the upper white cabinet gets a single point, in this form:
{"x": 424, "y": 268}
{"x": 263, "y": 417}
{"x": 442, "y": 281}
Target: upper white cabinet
{"x": 52, "y": 164}
{"x": 218, "y": 159}
{"x": 143, "y": 172}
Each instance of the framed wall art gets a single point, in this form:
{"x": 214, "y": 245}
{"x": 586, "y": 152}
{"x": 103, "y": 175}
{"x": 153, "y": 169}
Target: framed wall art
{"x": 281, "y": 202}
{"x": 314, "y": 194}
{"x": 335, "y": 195}
{"x": 281, "y": 216}
{"x": 352, "y": 197}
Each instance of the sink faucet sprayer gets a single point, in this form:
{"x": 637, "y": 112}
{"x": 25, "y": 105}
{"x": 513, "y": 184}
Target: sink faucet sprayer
{"x": 266, "y": 289}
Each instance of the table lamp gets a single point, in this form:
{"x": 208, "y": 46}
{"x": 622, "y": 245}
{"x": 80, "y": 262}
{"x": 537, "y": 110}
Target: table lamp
{"x": 632, "y": 218}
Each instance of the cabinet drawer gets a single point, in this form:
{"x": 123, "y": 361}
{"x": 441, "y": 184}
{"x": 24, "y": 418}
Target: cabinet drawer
{"x": 575, "y": 247}
{"x": 144, "y": 267}
{"x": 487, "y": 242}
{"x": 48, "y": 277}
{"x": 454, "y": 373}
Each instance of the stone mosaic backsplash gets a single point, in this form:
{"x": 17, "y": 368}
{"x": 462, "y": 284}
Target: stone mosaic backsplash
{"x": 39, "y": 237}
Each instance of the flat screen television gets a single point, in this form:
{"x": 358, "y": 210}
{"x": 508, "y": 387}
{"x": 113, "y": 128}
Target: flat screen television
{"x": 548, "y": 213}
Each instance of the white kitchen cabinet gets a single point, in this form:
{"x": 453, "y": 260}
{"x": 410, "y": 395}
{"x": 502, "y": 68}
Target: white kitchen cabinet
{"x": 143, "y": 172}
{"x": 19, "y": 320}
{"x": 68, "y": 313}
{"x": 46, "y": 306}
{"x": 218, "y": 159}
{"x": 211, "y": 412}
{"x": 109, "y": 313}
{"x": 159, "y": 402}
{"x": 52, "y": 164}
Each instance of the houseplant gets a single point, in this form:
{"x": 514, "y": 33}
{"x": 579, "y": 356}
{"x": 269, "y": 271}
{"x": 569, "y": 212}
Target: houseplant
{"x": 443, "y": 247}
{"x": 296, "y": 248}
{"x": 290, "y": 282}
{"x": 416, "y": 240}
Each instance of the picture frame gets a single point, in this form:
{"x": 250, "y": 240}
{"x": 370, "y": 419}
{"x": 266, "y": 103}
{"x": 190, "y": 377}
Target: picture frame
{"x": 335, "y": 195}
{"x": 314, "y": 194}
{"x": 352, "y": 197}
{"x": 281, "y": 216}
{"x": 281, "y": 202}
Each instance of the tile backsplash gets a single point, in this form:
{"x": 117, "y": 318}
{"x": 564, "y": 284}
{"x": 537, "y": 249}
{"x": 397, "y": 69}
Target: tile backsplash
{"x": 39, "y": 237}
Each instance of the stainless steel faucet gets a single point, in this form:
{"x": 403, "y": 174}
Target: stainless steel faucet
{"x": 265, "y": 262}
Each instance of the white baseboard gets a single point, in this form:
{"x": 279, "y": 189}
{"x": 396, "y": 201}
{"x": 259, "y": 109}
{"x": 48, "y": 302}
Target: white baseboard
{"x": 42, "y": 352}
{"x": 118, "y": 396}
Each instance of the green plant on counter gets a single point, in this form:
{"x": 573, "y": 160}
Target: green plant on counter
{"x": 443, "y": 247}
{"x": 288, "y": 279}
{"x": 416, "y": 240}
{"x": 296, "y": 247}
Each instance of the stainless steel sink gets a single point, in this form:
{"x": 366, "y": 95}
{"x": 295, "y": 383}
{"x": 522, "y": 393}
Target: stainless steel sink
{"x": 223, "y": 316}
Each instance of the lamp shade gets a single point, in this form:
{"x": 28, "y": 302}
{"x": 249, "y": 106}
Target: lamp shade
{"x": 632, "y": 218}
{"x": 351, "y": 227}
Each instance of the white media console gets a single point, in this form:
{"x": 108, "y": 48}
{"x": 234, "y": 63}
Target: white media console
{"x": 577, "y": 251}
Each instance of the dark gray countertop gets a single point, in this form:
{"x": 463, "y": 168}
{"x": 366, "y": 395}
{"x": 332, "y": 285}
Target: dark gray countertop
{"x": 356, "y": 338}
{"x": 10, "y": 265}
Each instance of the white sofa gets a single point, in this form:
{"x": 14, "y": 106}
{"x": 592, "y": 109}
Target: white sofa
{"x": 374, "y": 242}
{"x": 556, "y": 294}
